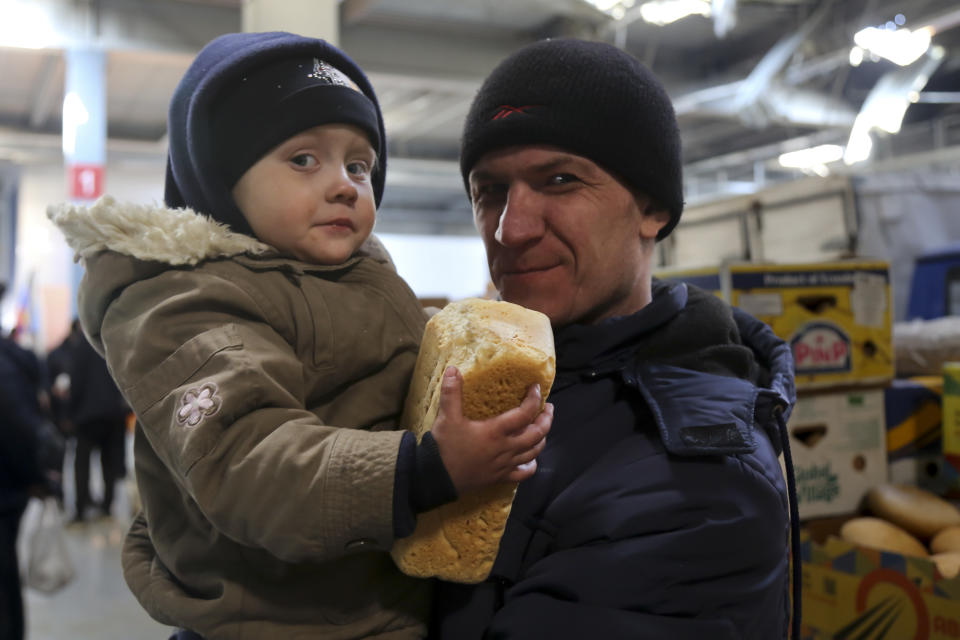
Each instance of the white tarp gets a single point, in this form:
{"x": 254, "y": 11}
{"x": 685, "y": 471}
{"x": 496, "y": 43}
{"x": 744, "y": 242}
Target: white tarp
{"x": 905, "y": 215}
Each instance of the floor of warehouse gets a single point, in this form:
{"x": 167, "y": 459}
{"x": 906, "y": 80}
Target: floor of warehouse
{"x": 97, "y": 603}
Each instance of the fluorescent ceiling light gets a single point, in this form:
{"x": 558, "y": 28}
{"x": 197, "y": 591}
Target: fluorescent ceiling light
{"x": 75, "y": 115}
{"x": 616, "y": 9}
{"x": 661, "y": 12}
{"x": 889, "y": 111}
{"x": 900, "y": 46}
{"x": 604, "y": 5}
{"x": 860, "y": 144}
{"x": 658, "y": 12}
{"x": 24, "y": 25}
{"x": 887, "y": 103}
{"x": 808, "y": 158}
{"x": 812, "y": 160}
{"x": 856, "y": 56}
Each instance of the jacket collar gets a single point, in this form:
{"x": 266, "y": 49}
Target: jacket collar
{"x": 579, "y": 345}
{"x": 710, "y": 374}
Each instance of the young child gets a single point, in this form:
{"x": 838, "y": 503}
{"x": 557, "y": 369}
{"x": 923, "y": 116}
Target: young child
{"x": 265, "y": 342}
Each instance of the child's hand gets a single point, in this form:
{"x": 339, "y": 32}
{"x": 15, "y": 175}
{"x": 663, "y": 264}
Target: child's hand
{"x": 500, "y": 449}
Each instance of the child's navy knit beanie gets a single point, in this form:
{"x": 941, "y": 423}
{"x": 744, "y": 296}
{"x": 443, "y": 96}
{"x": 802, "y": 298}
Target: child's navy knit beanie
{"x": 245, "y": 93}
{"x": 589, "y": 98}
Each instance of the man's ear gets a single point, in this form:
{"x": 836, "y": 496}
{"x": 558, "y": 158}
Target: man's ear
{"x": 651, "y": 221}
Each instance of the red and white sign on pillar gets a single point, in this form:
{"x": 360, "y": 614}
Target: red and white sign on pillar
{"x": 85, "y": 181}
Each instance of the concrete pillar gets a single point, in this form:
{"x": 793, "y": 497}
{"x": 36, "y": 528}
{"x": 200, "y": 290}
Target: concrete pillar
{"x": 85, "y": 158}
{"x": 85, "y": 123}
{"x": 312, "y": 18}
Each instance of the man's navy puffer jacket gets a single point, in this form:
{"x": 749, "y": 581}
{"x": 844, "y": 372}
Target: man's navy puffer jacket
{"x": 659, "y": 509}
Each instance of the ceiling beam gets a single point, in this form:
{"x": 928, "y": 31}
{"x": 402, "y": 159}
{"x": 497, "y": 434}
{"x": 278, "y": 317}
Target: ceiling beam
{"x": 416, "y": 52}
{"x": 45, "y": 94}
{"x": 442, "y": 114}
{"x": 352, "y": 11}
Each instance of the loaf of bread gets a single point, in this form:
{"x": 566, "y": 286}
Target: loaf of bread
{"x": 946, "y": 540}
{"x": 501, "y": 349}
{"x": 880, "y": 534}
{"x": 947, "y": 563}
{"x": 920, "y": 512}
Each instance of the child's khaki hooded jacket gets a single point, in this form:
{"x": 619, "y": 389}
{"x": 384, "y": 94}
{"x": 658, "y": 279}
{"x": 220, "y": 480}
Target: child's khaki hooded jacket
{"x": 259, "y": 384}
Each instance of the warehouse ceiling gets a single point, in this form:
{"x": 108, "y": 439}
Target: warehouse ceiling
{"x": 757, "y": 79}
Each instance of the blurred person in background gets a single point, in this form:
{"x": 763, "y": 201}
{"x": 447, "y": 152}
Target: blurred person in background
{"x": 58, "y": 390}
{"x": 97, "y": 415}
{"x": 22, "y": 472}
{"x": 58, "y": 378}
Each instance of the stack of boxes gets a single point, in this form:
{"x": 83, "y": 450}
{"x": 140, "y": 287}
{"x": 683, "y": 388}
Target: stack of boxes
{"x": 853, "y": 427}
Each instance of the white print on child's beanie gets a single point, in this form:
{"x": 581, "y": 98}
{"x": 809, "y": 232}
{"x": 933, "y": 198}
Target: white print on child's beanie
{"x": 328, "y": 74}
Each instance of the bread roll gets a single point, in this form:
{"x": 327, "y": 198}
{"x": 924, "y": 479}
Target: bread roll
{"x": 946, "y": 540}
{"x": 920, "y": 512}
{"x": 501, "y": 349}
{"x": 948, "y": 563}
{"x": 880, "y": 534}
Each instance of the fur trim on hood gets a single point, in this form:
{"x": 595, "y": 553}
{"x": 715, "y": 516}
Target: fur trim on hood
{"x": 173, "y": 236}
{"x": 160, "y": 234}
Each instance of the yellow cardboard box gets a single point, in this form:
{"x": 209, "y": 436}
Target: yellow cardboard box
{"x": 854, "y": 592}
{"x": 835, "y": 315}
{"x": 951, "y": 415}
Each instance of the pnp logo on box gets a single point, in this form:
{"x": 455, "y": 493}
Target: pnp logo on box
{"x": 821, "y": 347}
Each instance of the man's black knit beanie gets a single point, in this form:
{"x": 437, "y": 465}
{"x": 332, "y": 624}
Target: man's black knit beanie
{"x": 589, "y": 98}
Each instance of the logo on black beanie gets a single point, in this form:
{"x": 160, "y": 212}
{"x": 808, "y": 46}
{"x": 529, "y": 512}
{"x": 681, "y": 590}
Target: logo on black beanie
{"x": 505, "y": 110}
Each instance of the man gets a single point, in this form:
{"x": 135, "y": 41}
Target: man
{"x": 21, "y": 471}
{"x": 658, "y": 510}
{"x": 58, "y": 377}
{"x": 98, "y": 416}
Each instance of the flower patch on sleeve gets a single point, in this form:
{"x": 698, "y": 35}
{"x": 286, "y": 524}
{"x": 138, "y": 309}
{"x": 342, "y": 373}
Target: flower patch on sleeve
{"x": 198, "y": 403}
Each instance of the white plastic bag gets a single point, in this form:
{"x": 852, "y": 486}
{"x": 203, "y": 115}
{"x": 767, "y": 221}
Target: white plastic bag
{"x": 923, "y": 346}
{"x": 48, "y": 566}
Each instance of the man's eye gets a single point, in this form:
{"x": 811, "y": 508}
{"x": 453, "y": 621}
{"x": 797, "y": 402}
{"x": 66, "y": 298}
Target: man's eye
{"x": 561, "y": 179}
{"x": 489, "y": 190}
{"x": 304, "y": 160}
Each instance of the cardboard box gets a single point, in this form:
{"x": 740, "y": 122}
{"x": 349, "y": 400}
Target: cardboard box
{"x": 951, "y": 408}
{"x": 854, "y": 592}
{"x": 914, "y": 409}
{"x": 838, "y": 444}
{"x": 835, "y": 315}
{"x": 914, "y": 416}
{"x": 951, "y": 418}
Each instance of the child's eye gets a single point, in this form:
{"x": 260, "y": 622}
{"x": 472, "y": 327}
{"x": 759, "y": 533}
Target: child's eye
{"x": 304, "y": 160}
{"x": 358, "y": 168}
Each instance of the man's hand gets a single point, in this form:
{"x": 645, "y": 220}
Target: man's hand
{"x": 478, "y": 453}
